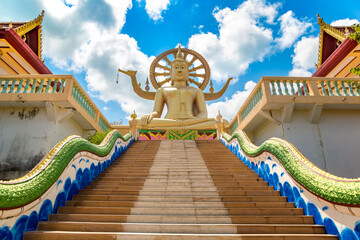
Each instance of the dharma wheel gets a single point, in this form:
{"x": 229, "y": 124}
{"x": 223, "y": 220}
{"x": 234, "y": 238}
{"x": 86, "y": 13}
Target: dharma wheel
{"x": 199, "y": 70}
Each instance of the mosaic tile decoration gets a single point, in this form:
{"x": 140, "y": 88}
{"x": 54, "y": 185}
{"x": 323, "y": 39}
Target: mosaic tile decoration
{"x": 177, "y": 134}
{"x": 206, "y": 135}
{"x": 152, "y": 135}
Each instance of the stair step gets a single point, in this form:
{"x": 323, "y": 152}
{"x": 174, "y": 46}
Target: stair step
{"x": 166, "y": 187}
{"x": 71, "y": 235}
{"x": 181, "y": 228}
{"x": 180, "y": 199}
{"x": 180, "y": 204}
{"x": 178, "y": 193}
{"x": 181, "y": 211}
{"x": 180, "y": 183}
{"x": 237, "y": 219}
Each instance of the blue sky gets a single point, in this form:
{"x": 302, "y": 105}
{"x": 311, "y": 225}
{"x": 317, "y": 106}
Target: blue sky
{"x": 90, "y": 39}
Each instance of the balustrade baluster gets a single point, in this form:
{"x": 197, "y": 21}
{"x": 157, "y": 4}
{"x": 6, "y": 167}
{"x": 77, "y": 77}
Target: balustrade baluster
{"x": 299, "y": 88}
{"x": 273, "y": 91}
{"x": 336, "y": 88}
{"x": 62, "y": 81}
{"x": 306, "y": 90}
{"x": 286, "y": 88}
{"x": 351, "y": 89}
{"x": 74, "y": 93}
{"x": 48, "y": 85}
{"x": 19, "y": 88}
{"x": 33, "y": 87}
{"x": 325, "y": 93}
{"x": 55, "y": 86}
{"x": 292, "y": 87}
{"x": 344, "y": 88}
{"x": 41, "y": 86}
{"x": 27, "y": 85}
{"x": 279, "y": 87}
{"x": 5, "y": 86}
{"x": 12, "y": 86}
{"x": 330, "y": 89}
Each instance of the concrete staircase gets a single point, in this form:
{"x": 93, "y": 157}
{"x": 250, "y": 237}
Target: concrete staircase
{"x": 179, "y": 190}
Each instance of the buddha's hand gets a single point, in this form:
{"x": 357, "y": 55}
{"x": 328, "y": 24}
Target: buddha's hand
{"x": 130, "y": 73}
{"x": 145, "y": 119}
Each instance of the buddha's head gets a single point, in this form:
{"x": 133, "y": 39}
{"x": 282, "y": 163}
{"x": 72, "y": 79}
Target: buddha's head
{"x": 179, "y": 69}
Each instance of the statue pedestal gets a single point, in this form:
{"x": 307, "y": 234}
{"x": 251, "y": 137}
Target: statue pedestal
{"x": 177, "y": 134}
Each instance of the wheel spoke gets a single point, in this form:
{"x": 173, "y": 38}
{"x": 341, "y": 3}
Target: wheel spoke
{"x": 194, "y": 82}
{"x": 163, "y": 67}
{"x": 167, "y": 60}
{"x": 162, "y": 74}
{"x": 196, "y": 68}
{"x": 163, "y": 82}
{"x": 197, "y": 75}
{"x": 192, "y": 60}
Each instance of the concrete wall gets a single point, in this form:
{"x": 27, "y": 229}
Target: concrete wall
{"x": 333, "y": 144}
{"x": 26, "y": 135}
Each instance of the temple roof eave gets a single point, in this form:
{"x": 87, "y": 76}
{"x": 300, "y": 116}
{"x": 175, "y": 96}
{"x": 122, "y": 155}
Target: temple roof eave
{"x": 22, "y": 28}
{"x": 335, "y": 58}
{"x": 340, "y": 33}
{"x": 24, "y": 50}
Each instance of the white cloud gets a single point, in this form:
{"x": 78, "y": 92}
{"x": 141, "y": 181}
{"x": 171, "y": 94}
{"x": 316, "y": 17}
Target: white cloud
{"x": 242, "y": 38}
{"x": 291, "y": 29}
{"x": 102, "y": 57}
{"x": 305, "y": 56}
{"x": 154, "y": 8}
{"x": 88, "y": 40}
{"x": 344, "y": 22}
{"x": 57, "y": 9}
{"x": 64, "y": 35}
{"x": 229, "y": 107}
{"x": 299, "y": 72}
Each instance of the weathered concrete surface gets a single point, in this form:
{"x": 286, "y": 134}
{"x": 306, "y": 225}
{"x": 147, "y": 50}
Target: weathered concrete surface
{"x": 26, "y": 135}
{"x": 332, "y": 144}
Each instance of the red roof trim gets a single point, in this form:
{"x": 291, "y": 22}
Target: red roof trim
{"x": 335, "y": 58}
{"x": 24, "y": 50}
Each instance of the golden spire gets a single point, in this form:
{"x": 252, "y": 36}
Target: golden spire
{"x": 211, "y": 87}
{"x": 179, "y": 55}
{"x": 133, "y": 115}
{"x": 28, "y": 26}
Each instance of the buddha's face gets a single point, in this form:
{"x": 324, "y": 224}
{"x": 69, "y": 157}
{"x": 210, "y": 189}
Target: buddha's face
{"x": 179, "y": 71}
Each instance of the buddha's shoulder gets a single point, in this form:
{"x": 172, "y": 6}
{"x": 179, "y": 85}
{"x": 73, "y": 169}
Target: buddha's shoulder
{"x": 173, "y": 88}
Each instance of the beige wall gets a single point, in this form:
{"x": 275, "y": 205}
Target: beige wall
{"x": 123, "y": 129}
{"x": 333, "y": 144}
{"x": 26, "y": 135}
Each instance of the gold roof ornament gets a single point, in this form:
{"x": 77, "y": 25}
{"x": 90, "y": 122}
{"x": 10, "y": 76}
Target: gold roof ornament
{"x": 133, "y": 115}
{"x": 28, "y": 26}
{"x": 332, "y": 31}
{"x": 23, "y": 28}
{"x": 335, "y": 32}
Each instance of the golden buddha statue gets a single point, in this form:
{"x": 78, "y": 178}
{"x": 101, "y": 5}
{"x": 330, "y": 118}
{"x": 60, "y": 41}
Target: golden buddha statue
{"x": 186, "y": 105}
